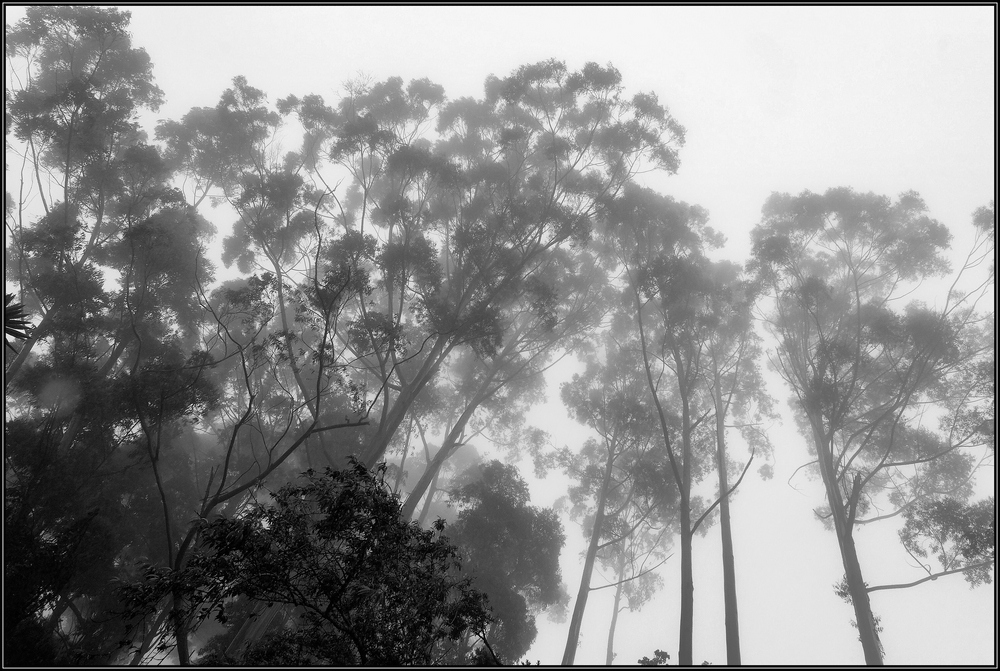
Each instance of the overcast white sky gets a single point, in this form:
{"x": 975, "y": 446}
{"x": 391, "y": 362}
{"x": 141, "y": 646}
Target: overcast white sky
{"x": 882, "y": 99}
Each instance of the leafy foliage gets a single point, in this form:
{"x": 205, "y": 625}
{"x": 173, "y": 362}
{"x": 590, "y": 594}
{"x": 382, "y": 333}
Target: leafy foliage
{"x": 419, "y": 262}
{"x": 957, "y": 534}
{"x": 512, "y": 551}
{"x": 15, "y": 321}
{"x": 659, "y": 658}
{"x": 368, "y": 587}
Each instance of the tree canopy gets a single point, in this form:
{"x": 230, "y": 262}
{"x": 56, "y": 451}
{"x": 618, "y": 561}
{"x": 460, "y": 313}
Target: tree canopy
{"x": 244, "y": 429}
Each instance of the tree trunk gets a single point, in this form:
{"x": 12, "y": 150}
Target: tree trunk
{"x": 180, "y": 631}
{"x": 685, "y": 652}
{"x": 427, "y": 503}
{"x": 148, "y": 638}
{"x": 375, "y": 450}
{"x": 402, "y": 462}
{"x": 862, "y": 605}
{"x": 575, "y": 623}
{"x": 682, "y": 476}
{"x": 451, "y": 442}
{"x": 728, "y": 560}
{"x": 609, "y": 660}
{"x": 430, "y": 474}
{"x": 848, "y": 552}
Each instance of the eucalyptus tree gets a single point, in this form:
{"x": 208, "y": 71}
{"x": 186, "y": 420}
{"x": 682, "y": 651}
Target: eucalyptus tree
{"x": 632, "y": 562}
{"x": 230, "y": 153}
{"x": 865, "y": 373}
{"x": 656, "y": 246}
{"x": 107, "y": 254}
{"x": 733, "y": 381}
{"x": 131, "y": 361}
{"x": 451, "y": 233}
{"x": 621, "y": 486}
{"x": 563, "y": 302}
{"x": 77, "y": 86}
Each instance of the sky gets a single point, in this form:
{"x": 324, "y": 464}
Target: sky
{"x": 882, "y": 99}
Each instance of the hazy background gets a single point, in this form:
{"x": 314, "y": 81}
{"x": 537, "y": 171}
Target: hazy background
{"x": 882, "y": 99}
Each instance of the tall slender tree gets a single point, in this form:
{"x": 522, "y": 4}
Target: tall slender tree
{"x": 78, "y": 86}
{"x": 656, "y": 245}
{"x": 733, "y": 380}
{"x": 862, "y": 372}
{"x": 619, "y": 476}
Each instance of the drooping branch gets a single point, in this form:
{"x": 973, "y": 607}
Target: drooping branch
{"x": 932, "y": 577}
{"x": 636, "y": 576}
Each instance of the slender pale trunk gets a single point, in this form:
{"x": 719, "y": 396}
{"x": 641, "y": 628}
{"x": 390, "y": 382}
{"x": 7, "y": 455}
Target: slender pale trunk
{"x": 728, "y": 561}
{"x": 312, "y": 406}
{"x": 428, "y": 479}
{"x": 682, "y": 476}
{"x": 430, "y": 474}
{"x": 427, "y": 504}
{"x": 609, "y": 660}
{"x": 569, "y": 655}
{"x": 685, "y": 651}
{"x": 849, "y": 554}
{"x": 402, "y": 462}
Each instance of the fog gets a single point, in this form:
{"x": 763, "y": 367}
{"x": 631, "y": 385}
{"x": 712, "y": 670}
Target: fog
{"x": 399, "y": 336}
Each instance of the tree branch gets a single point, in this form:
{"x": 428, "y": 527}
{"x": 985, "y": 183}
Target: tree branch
{"x": 931, "y": 577}
{"x": 719, "y": 500}
{"x": 639, "y": 575}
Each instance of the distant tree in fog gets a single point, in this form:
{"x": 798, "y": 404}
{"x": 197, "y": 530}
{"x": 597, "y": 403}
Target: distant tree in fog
{"x": 511, "y": 550}
{"x": 622, "y": 490}
{"x": 864, "y": 372}
{"x": 657, "y": 247}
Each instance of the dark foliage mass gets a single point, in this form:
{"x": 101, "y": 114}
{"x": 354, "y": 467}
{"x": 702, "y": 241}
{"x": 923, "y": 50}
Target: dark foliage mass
{"x": 512, "y": 551}
{"x": 365, "y": 587}
{"x": 226, "y": 471}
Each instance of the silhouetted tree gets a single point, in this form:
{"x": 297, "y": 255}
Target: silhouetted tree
{"x": 367, "y": 587}
{"x": 511, "y": 549}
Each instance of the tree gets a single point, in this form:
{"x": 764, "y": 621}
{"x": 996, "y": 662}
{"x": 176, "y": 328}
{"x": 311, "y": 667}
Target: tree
{"x": 463, "y": 226}
{"x": 511, "y": 549}
{"x": 659, "y": 658}
{"x": 78, "y": 87}
{"x": 566, "y": 299}
{"x": 368, "y": 588}
{"x": 621, "y": 490}
{"x": 959, "y": 535}
{"x": 642, "y": 549}
{"x": 107, "y": 213}
{"x": 861, "y": 372}
{"x": 129, "y": 365}
{"x": 735, "y": 385}
{"x": 656, "y": 245}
